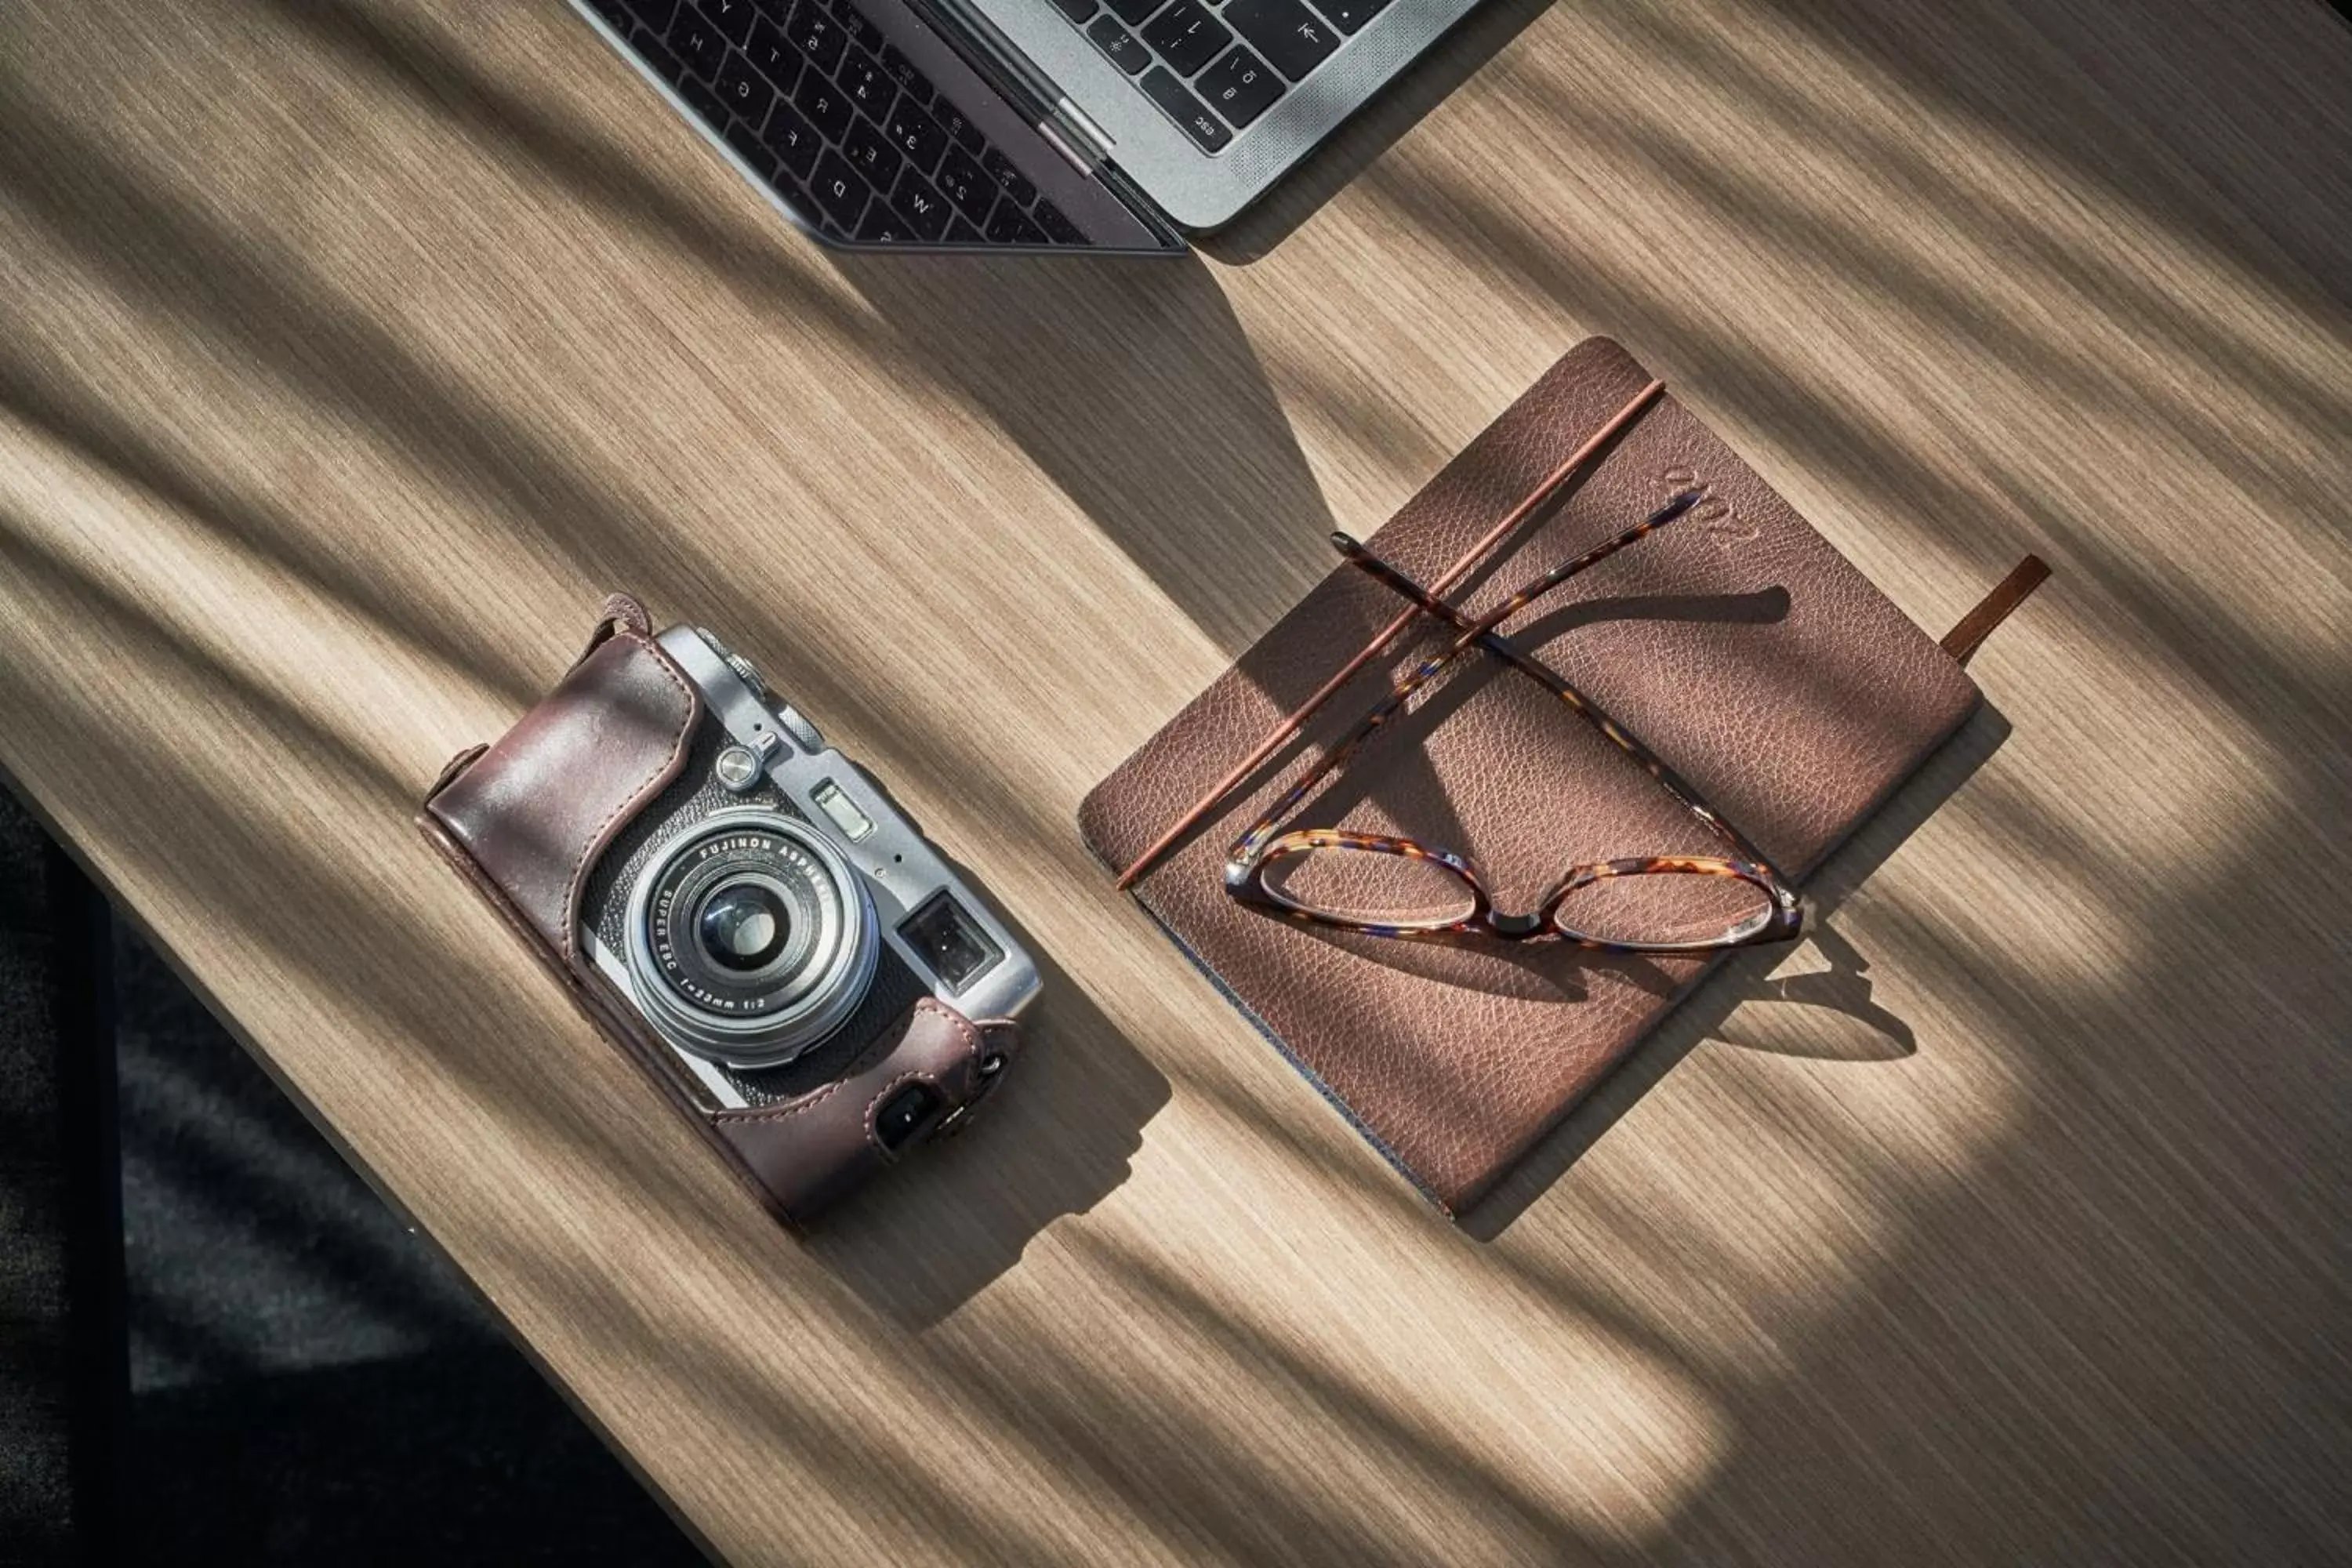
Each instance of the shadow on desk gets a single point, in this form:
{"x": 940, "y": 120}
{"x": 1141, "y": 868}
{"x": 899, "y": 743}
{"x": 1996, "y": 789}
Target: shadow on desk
{"x": 1864, "y": 1031}
{"x": 928, "y": 1238}
{"x": 1129, "y": 383}
{"x": 1132, "y": 386}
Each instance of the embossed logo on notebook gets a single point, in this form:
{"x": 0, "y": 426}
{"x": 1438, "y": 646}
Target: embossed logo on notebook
{"x": 1716, "y": 517}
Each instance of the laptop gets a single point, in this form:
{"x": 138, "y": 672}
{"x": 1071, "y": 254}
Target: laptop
{"x": 1052, "y": 126}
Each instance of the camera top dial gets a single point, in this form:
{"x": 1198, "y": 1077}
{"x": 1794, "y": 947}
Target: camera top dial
{"x": 794, "y": 722}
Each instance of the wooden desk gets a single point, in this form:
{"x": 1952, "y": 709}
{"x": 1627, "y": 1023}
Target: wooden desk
{"x": 354, "y": 348}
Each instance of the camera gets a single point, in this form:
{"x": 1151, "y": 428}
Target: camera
{"x": 774, "y": 915}
{"x": 739, "y": 910}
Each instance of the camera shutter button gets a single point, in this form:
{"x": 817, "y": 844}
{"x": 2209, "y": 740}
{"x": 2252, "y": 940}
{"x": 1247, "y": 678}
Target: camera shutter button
{"x": 739, "y": 768}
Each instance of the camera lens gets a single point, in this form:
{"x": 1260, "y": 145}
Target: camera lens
{"x": 750, "y": 938}
{"x": 744, "y": 927}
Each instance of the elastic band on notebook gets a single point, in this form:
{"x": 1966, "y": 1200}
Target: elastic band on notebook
{"x": 1995, "y": 607}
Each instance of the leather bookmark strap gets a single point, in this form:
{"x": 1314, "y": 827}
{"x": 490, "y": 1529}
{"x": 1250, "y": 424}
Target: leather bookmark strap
{"x": 1995, "y": 607}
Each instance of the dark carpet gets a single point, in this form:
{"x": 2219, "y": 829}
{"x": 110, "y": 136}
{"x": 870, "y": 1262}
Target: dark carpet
{"x": 308, "y": 1381}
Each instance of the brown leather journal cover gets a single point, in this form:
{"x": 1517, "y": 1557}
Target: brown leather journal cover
{"x": 1744, "y": 650}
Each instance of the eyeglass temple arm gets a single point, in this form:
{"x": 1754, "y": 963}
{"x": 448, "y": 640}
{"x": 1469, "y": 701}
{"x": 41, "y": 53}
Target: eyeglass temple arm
{"x": 1476, "y": 633}
{"x": 1549, "y": 580}
{"x": 1527, "y": 506}
{"x": 1255, "y": 837}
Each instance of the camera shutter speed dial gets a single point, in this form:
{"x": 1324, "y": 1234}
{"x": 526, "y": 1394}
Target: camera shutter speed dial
{"x": 745, "y": 670}
{"x": 788, "y": 717}
{"x": 799, "y": 728}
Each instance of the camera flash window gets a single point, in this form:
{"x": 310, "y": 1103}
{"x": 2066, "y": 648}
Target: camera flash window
{"x": 855, "y": 825}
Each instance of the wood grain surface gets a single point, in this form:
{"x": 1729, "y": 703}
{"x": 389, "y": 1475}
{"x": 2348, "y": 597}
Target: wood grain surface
{"x": 354, "y": 348}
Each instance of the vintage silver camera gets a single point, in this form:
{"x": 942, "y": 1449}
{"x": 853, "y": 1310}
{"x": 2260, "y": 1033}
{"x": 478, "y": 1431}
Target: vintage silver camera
{"x": 772, "y": 913}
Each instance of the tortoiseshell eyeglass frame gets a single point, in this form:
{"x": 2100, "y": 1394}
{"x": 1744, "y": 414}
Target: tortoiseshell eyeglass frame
{"x": 1262, "y": 846}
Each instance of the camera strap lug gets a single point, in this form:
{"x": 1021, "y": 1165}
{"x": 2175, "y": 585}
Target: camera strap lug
{"x": 956, "y": 1120}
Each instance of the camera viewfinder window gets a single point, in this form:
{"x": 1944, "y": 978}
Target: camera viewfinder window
{"x": 949, "y": 941}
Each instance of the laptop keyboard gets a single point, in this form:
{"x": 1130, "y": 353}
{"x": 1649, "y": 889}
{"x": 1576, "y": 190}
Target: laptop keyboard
{"x": 1215, "y": 66}
{"x": 839, "y": 122}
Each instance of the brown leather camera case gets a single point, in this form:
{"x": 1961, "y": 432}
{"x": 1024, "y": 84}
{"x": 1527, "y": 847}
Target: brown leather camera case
{"x": 526, "y": 821}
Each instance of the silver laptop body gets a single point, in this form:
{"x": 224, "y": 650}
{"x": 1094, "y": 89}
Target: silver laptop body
{"x": 1050, "y": 126}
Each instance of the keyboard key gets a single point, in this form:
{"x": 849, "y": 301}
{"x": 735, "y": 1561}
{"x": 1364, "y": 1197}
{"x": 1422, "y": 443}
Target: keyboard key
{"x": 861, "y": 77}
{"x": 1058, "y": 229}
{"x": 1125, "y": 51}
{"x": 967, "y": 185}
{"x": 963, "y": 233}
{"x": 914, "y": 132}
{"x": 1185, "y": 109}
{"x": 732, "y": 18}
{"x": 613, "y": 11}
{"x": 1016, "y": 183}
{"x": 745, "y": 90}
{"x": 794, "y": 140}
{"x": 657, "y": 15}
{"x": 1078, "y": 11}
{"x": 820, "y": 37}
{"x": 826, "y": 105}
{"x": 1186, "y": 35}
{"x": 1284, "y": 32}
{"x": 862, "y": 32}
{"x": 881, "y": 225}
{"x": 1010, "y": 225}
{"x": 697, "y": 43}
{"x": 774, "y": 56}
{"x": 961, "y": 131}
{"x": 665, "y": 65}
{"x": 1134, "y": 12}
{"x": 1347, "y": 15}
{"x": 705, "y": 102}
{"x": 870, "y": 153}
{"x": 1240, "y": 87}
{"x": 926, "y": 211}
{"x": 746, "y": 143}
{"x": 902, "y": 70}
{"x": 839, "y": 189}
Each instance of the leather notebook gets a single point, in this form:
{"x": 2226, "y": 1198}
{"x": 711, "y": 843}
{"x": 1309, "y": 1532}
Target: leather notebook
{"x": 1742, "y": 649}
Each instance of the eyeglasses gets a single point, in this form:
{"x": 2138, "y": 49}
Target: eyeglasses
{"x": 1385, "y": 886}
